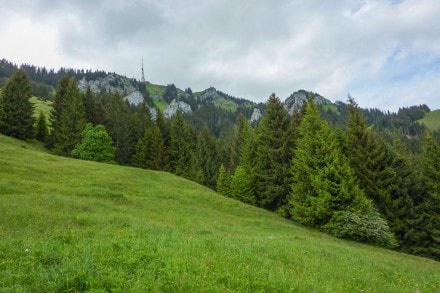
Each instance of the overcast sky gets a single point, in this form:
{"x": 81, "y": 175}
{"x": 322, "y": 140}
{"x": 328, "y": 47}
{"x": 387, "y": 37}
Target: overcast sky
{"x": 385, "y": 53}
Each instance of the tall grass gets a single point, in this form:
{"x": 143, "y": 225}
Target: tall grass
{"x": 70, "y": 226}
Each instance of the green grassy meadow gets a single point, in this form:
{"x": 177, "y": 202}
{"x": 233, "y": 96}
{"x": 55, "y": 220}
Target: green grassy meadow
{"x": 155, "y": 89}
{"x": 431, "y": 120}
{"x": 331, "y": 107}
{"x": 225, "y": 104}
{"x": 73, "y": 226}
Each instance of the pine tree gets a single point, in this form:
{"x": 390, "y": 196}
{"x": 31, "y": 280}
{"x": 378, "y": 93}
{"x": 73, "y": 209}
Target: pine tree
{"x": 150, "y": 149}
{"x": 323, "y": 182}
{"x": 16, "y": 119}
{"x": 70, "y": 121}
{"x": 273, "y": 157}
{"x": 206, "y": 160}
{"x": 424, "y": 236}
{"x": 164, "y": 128}
{"x": 382, "y": 174}
{"x": 139, "y": 120}
{"x": 243, "y": 179}
{"x": 57, "y": 107}
{"x": 223, "y": 181}
{"x": 117, "y": 123}
{"x": 242, "y": 186}
{"x": 42, "y": 132}
{"x": 181, "y": 150}
{"x": 239, "y": 137}
{"x": 90, "y": 107}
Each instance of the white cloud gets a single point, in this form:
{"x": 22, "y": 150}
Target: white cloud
{"x": 26, "y": 42}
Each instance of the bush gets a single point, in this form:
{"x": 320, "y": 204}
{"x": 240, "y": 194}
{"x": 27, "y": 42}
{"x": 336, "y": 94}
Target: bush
{"x": 362, "y": 225}
{"x": 96, "y": 145}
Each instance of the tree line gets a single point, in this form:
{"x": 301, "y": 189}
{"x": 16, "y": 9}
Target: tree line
{"x": 348, "y": 181}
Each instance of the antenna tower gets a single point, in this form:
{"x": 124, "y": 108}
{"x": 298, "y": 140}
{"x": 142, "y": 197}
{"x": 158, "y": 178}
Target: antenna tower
{"x": 143, "y": 76}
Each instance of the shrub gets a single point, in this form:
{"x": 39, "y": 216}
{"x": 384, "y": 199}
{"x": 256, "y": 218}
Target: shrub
{"x": 362, "y": 225}
{"x": 96, "y": 145}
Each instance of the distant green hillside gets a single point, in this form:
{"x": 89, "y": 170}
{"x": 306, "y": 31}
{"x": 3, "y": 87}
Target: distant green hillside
{"x": 156, "y": 90}
{"x": 225, "y": 104}
{"x": 73, "y": 226}
{"x": 431, "y": 120}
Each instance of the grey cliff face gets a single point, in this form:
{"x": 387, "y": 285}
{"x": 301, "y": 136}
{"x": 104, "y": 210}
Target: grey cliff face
{"x": 135, "y": 98}
{"x": 110, "y": 83}
{"x": 256, "y": 115}
{"x": 210, "y": 93}
{"x": 175, "y": 106}
{"x": 298, "y": 99}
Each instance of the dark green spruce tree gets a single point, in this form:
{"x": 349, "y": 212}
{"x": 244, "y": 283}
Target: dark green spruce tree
{"x": 223, "y": 185}
{"x": 16, "y": 118}
{"x": 237, "y": 142}
{"x": 424, "y": 235}
{"x": 71, "y": 121}
{"x": 42, "y": 132}
{"x": 117, "y": 123}
{"x": 273, "y": 157}
{"x": 182, "y": 146}
{"x": 207, "y": 159}
{"x": 150, "y": 150}
{"x": 323, "y": 183}
{"x": 164, "y": 128}
{"x": 57, "y": 108}
{"x": 91, "y": 108}
{"x": 241, "y": 186}
{"x": 243, "y": 179}
{"x": 382, "y": 174}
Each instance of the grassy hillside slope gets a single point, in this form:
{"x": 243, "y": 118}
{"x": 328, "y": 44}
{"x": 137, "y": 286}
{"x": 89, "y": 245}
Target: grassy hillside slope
{"x": 431, "y": 120}
{"x": 69, "y": 225}
{"x": 40, "y": 105}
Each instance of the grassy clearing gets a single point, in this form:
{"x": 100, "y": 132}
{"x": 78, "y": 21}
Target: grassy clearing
{"x": 431, "y": 120}
{"x": 155, "y": 89}
{"x": 69, "y": 225}
{"x": 331, "y": 107}
{"x": 160, "y": 103}
{"x": 40, "y": 105}
{"x": 225, "y": 104}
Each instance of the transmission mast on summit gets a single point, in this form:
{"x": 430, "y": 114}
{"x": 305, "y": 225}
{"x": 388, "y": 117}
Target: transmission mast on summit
{"x": 143, "y": 76}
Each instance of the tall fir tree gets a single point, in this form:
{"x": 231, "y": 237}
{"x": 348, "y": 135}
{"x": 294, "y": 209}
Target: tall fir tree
{"x": 273, "y": 157}
{"x": 207, "y": 159}
{"x": 140, "y": 119}
{"x": 382, "y": 174}
{"x": 424, "y": 236}
{"x": 57, "y": 107}
{"x": 164, "y": 128}
{"x": 242, "y": 186}
{"x": 16, "y": 119}
{"x": 117, "y": 123}
{"x": 90, "y": 107}
{"x": 42, "y": 131}
{"x": 71, "y": 121}
{"x": 150, "y": 151}
{"x": 237, "y": 141}
{"x": 181, "y": 150}
{"x": 223, "y": 185}
{"x": 323, "y": 183}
